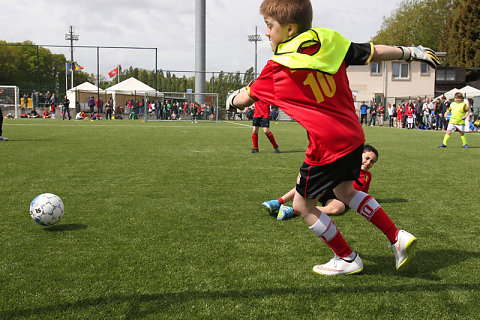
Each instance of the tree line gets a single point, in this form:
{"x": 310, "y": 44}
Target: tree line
{"x": 451, "y": 26}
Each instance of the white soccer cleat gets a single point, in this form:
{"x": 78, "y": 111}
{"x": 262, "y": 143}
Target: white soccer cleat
{"x": 339, "y": 266}
{"x": 404, "y": 249}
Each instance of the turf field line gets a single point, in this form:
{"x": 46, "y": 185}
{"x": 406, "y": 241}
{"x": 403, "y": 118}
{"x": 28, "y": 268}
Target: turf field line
{"x": 239, "y": 124}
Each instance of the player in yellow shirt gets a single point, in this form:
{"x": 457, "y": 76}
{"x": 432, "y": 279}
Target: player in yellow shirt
{"x": 460, "y": 112}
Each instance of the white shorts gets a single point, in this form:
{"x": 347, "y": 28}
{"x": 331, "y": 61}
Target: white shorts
{"x": 452, "y": 127}
{"x": 410, "y": 120}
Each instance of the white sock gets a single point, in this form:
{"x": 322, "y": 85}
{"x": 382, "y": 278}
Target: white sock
{"x": 324, "y": 228}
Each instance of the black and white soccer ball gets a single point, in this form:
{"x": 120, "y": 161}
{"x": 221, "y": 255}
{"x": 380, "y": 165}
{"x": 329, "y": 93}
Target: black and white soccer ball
{"x": 46, "y": 209}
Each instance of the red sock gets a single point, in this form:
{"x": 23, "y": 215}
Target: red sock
{"x": 339, "y": 246}
{"x": 369, "y": 208}
{"x": 272, "y": 139}
{"x": 383, "y": 222}
{"x": 255, "y": 140}
{"x": 280, "y": 200}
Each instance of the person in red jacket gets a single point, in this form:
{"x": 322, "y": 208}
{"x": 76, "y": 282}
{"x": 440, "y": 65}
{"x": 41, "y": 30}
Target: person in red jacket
{"x": 330, "y": 204}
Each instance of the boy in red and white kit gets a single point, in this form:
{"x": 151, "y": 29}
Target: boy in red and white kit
{"x": 261, "y": 118}
{"x": 307, "y": 79}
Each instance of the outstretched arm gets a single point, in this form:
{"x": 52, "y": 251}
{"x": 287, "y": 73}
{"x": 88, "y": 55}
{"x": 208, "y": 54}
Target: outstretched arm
{"x": 384, "y": 53}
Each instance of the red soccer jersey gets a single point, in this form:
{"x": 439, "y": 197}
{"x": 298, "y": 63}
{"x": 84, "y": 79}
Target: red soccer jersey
{"x": 363, "y": 182}
{"x": 321, "y": 103}
{"x": 262, "y": 110}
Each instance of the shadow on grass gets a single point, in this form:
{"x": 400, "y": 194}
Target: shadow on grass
{"x": 30, "y": 140}
{"x": 139, "y": 306}
{"x": 425, "y": 266}
{"x": 391, "y": 200}
{"x": 65, "y": 227}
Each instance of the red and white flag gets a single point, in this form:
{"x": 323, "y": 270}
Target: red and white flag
{"x": 113, "y": 73}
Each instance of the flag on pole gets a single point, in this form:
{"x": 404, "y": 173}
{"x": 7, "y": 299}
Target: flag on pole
{"x": 68, "y": 68}
{"x": 113, "y": 73}
{"x": 77, "y": 67}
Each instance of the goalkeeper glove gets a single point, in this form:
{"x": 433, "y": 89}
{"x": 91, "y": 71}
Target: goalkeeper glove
{"x": 420, "y": 54}
{"x": 229, "y": 105}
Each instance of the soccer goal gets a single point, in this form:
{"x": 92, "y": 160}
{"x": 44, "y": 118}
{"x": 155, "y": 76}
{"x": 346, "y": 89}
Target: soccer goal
{"x": 9, "y": 99}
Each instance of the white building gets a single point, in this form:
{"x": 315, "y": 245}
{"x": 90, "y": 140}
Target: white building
{"x": 393, "y": 80}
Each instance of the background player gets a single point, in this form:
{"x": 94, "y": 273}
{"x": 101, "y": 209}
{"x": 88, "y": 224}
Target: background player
{"x": 330, "y": 204}
{"x": 307, "y": 79}
{"x": 2, "y": 138}
{"x": 460, "y": 112}
{"x": 261, "y": 118}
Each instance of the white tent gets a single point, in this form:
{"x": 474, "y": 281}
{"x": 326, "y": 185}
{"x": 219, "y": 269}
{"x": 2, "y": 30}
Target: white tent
{"x": 131, "y": 88}
{"x": 449, "y": 94}
{"x": 82, "y": 92}
{"x": 469, "y": 91}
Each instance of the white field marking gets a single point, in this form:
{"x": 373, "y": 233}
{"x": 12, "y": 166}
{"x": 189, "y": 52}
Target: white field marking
{"x": 239, "y": 124}
{"x": 109, "y": 125}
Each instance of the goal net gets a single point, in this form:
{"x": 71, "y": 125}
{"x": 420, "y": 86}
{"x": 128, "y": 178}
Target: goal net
{"x": 9, "y": 100}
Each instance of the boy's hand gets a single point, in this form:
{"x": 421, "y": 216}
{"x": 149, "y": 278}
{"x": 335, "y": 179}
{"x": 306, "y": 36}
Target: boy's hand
{"x": 420, "y": 54}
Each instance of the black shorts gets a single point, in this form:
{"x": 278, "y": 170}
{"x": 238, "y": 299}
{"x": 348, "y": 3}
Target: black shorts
{"x": 329, "y": 195}
{"x": 315, "y": 180}
{"x": 261, "y": 122}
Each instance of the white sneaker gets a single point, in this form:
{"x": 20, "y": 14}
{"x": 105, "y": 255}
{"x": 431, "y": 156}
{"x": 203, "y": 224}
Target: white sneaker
{"x": 339, "y": 266}
{"x": 404, "y": 249}
{"x": 3, "y": 138}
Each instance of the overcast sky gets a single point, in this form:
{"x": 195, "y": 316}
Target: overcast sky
{"x": 169, "y": 25}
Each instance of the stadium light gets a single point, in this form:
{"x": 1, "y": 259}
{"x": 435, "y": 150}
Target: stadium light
{"x": 70, "y": 36}
{"x": 255, "y": 38}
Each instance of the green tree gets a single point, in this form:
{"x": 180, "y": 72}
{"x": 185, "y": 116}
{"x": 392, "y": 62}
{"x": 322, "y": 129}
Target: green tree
{"x": 461, "y": 36}
{"x": 415, "y": 22}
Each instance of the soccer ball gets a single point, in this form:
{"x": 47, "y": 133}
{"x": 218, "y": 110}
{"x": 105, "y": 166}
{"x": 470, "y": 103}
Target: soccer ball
{"x": 46, "y": 209}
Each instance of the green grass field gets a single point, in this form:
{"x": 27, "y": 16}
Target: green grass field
{"x": 163, "y": 220}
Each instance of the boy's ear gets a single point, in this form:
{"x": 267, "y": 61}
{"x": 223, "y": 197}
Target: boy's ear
{"x": 292, "y": 29}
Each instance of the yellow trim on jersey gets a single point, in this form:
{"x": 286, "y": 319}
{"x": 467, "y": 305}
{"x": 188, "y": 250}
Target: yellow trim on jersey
{"x": 372, "y": 50}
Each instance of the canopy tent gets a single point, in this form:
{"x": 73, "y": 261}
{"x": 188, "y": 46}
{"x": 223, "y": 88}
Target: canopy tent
{"x": 82, "y": 92}
{"x": 131, "y": 88}
{"x": 469, "y": 91}
{"x": 449, "y": 94}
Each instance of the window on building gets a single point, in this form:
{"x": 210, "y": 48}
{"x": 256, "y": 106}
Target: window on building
{"x": 401, "y": 70}
{"x": 424, "y": 68}
{"x": 445, "y": 74}
{"x": 375, "y": 67}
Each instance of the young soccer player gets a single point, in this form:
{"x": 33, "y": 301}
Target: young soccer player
{"x": 330, "y": 204}
{"x": 2, "y": 138}
{"x": 261, "y": 118}
{"x": 307, "y": 79}
{"x": 460, "y": 112}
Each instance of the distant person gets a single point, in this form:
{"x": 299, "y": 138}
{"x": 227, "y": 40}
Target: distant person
{"x": 91, "y": 103}
{"x": 363, "y": 112}
{"x": 459, "y": 112}
{"x": 25, "y": 101}
{"x": 2, "y": 138}
{"x": 66, "y": 108}
{"x": 261, "y": 119}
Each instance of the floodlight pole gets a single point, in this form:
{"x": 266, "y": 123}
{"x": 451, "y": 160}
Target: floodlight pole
{"x": 72, "y": 37}
{"x": 255, "y": 38}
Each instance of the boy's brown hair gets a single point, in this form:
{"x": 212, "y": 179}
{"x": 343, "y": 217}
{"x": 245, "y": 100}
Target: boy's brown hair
{"x": 459, "y": 95}
{"x": 298, "y": 12}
